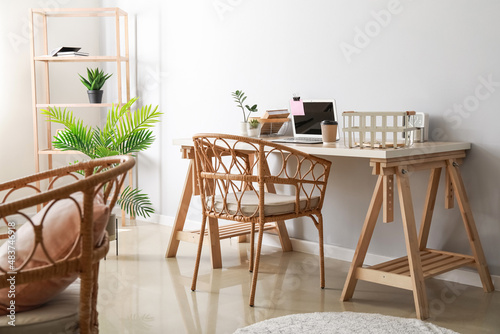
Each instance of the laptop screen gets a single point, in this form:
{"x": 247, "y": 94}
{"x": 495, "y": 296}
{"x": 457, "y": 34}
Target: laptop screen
{"x": 314, "y": 113}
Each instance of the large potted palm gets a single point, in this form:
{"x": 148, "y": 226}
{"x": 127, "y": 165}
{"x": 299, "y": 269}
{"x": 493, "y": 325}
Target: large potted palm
{"x": 125, "y": 132}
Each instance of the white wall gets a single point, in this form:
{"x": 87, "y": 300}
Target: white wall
{"x": 16, "y": 118}
{"x": 426, "y": 56}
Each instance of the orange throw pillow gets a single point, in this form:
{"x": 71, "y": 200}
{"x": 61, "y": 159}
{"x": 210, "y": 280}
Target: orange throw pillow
{"x": 61, "y": 229}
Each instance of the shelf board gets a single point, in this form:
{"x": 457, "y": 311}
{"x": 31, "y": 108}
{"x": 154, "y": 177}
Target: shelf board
{"x": 51, "y": 152}
{"x": 396, "y": 272}
{"x": 434, "y": 262}
{"x": 225, "y": 232}
{"x": 72, "y": 59}
{"x": 75, "y": 105}
{"x": 237, "y": 229}
{"x": 79, "y": 12}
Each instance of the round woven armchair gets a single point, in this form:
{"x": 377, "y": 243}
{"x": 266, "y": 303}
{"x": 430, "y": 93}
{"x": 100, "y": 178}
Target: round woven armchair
{"x": 254, "y": 182}
{"x": 54, "y": 225}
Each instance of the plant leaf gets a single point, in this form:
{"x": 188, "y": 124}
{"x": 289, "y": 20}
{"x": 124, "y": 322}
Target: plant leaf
{"x": 134, "y": 202}
{"x": 125, "y": 132}
{"x": 96, "y": 79}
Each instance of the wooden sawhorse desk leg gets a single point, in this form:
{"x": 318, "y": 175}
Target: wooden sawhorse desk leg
{"x": 455, "y": 187}
{"x": 410, "y": 231}
{"x": 390, "y": 273}
{"x": 470, "y": 224}
{"x": 412, "y": 247}
{"x": 364, "y": 240}
{"x": 180, "y": 219}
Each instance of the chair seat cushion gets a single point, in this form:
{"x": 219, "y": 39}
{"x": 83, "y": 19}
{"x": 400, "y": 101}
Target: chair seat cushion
{"x": 274, "y": 204}
{"x": 60, "y": 315}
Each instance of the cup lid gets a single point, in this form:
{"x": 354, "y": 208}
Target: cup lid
{"x": 329, "y": 122}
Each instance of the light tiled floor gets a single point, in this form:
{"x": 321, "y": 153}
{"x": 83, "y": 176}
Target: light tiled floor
{"x": 143, "y": 292}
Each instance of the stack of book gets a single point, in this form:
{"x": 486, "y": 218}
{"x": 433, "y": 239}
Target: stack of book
{"x": 273, "y": 120}
{"x": 64, "y": 51}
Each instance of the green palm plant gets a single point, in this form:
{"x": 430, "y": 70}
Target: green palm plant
{"x": 125, "y": 132}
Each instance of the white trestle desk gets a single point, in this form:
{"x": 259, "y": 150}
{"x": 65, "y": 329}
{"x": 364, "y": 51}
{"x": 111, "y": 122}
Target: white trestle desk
{"x": 392, "y": 167}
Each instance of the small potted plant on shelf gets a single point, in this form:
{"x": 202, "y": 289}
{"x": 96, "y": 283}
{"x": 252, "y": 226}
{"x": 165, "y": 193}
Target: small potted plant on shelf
{"x": 125, "y": 132}
{"x": 94, "y": 82}
{"x": 253, "y": 127}
{"x": 239, "y": 98}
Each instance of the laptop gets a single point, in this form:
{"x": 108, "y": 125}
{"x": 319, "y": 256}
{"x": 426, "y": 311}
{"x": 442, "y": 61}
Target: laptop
{"x": 307, "y": 127}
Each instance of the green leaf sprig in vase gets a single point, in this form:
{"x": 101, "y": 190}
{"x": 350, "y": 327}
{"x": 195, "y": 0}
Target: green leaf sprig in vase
{"x": 253, "y": 128}
{"x": 239, "y": 98}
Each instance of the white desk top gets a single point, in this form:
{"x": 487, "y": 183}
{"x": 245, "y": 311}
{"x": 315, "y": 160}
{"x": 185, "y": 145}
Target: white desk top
{"x": 340, "y": 150}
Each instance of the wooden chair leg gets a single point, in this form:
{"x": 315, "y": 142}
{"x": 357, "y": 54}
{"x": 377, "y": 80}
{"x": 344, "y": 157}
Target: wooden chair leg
{"x": 256, "y": 264}
{"x": 213, "y": 235}
{"x": 321, "y": 251}
{"x": 252, "y": 247}
{"x": 198, "y": 253}
{"x": 94, "y": 314}
{"x": 412, "y": 248}
{"x": 470, "y": 225}
{"x": 85, "y": 307}
{"x": 364, "y": 240}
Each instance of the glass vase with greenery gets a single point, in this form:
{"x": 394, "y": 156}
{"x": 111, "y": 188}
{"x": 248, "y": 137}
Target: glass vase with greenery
{"x": 239, "y": 98}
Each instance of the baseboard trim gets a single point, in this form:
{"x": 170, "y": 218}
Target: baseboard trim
{"x": 463, "y": 276}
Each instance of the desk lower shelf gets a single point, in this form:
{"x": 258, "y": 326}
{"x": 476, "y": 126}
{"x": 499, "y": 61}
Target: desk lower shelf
{"x": 397, "y": 272}
{"x": 225, "y": 232}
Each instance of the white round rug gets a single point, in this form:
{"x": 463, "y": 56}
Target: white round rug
{"x": 342, "y": 323}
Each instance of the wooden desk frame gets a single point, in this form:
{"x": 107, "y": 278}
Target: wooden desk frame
{"x": 408, "y": 272}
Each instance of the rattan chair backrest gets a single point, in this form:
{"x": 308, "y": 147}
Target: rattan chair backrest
{"x": 229, "y": 166}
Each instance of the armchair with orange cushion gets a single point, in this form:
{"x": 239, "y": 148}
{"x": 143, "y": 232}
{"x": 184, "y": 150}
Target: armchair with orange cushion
{"x": 255, "y": 181}
{"x": 64, "y": 241}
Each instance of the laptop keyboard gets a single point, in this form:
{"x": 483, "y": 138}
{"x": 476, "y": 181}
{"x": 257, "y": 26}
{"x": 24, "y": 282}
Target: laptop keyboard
{"x": 299, "y": 140}
{"x": 305, "y": 139}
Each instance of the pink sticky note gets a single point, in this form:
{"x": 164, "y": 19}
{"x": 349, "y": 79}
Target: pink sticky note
{"x": 297, "y": 107}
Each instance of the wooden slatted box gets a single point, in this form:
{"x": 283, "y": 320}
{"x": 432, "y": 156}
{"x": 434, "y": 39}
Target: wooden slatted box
{"x": 378, "y": 129}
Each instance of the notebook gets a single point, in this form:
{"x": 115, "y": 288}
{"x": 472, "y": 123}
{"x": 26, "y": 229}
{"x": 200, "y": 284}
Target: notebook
{"x": 307, "y": 127}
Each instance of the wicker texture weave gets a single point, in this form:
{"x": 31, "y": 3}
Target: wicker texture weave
{"x": 100, "y": 176}
{"x": 228, "y": 167}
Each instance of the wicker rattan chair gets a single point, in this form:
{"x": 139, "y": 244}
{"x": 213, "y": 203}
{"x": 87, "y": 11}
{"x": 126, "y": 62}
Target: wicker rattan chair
{"x": 234, "y": 175}
{"x": 79, "y": 185}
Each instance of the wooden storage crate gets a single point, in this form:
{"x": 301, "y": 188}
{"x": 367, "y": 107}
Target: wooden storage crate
{"x": 272, "y": 125}
{"x": 378, "y": 129}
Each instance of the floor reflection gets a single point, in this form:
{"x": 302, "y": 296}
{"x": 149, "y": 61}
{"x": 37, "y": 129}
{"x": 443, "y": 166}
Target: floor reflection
{"x": 203, "y": 308}
{"x": 142, "y": 292}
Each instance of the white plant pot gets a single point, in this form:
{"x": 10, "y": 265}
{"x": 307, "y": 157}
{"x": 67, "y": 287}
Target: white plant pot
{"x": 253, "y": 132}
{"x": 243, "y": 128}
